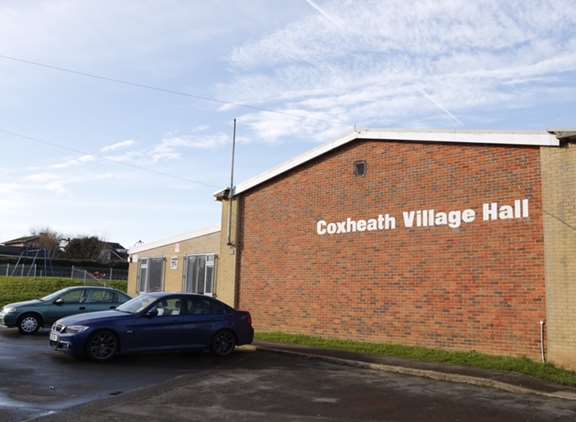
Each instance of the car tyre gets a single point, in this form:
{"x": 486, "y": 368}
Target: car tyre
{"x": 29, "y": 324}
{"x": 223, "y": 343}
{"x": 102, "y": 346}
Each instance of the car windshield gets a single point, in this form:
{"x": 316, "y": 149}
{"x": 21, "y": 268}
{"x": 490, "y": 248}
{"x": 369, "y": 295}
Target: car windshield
{"x": 53, "y": 296}
{"x": 138, "y": 304}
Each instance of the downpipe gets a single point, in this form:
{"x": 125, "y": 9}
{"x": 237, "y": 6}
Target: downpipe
{"x": 542, "y": 355}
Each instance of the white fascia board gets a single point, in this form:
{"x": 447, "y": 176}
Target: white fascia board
{"x": 295, "y": 162}
{"x": 175, "y": 239}
{"x": 520, "y": 138}
{"x": 533, "y": 138}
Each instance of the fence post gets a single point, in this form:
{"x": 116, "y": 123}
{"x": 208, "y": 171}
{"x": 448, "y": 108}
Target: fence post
{"x": 22, "y": 272}
{"x": 7, "y": 269}
{"x": 111, "y": 269}
{"x": 85, "y": 273}
{"x": 72, "y": 272}
{"x": 35, "y": 265}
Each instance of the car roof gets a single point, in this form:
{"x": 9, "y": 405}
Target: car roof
{"x": 164, "y": 294}
{"x": 92, "y": 287}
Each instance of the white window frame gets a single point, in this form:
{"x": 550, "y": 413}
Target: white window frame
{"x": 214, "y": 273}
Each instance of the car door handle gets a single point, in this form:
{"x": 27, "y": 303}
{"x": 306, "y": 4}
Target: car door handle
{"x": 82, "y": 308}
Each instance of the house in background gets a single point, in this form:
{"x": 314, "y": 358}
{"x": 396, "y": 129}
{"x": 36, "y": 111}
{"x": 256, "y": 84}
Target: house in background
{"x": 32, "y": 241}
{"x": 113, "y": 252}
{"x": 184, "y": 263}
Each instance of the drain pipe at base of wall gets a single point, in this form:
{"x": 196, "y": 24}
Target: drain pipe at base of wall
{"x": 542, "y": 341}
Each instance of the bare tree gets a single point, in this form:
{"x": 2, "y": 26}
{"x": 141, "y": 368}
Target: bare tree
{"x": 48, "y": 239}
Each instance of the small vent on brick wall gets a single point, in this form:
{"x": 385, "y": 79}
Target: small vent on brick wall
{"x": 360, "y": 168}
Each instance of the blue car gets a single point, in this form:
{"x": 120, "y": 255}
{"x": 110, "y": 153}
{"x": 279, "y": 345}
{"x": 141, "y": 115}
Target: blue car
{"x": 154, "y": 322}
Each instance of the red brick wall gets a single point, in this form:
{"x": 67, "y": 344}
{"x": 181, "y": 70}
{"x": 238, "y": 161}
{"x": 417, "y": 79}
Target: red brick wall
{"x": 479, "y": 287}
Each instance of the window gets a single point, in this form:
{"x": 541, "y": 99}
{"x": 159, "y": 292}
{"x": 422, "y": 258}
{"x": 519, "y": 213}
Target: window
{"x": 99, "y": 296}
{"x": 74, "y": 296}
{"x": 121, "y": 297}
{"x": 200, "y": 274}
{"x": 360, "y": 168}
{"x": 205, "y": 306}
{"x": 200, "y": 306}
{"x": 142, "y": 275}
{"x": 151, "y": 275}
{"x": 138, "y": 304}
{"x": 170, "y": 307}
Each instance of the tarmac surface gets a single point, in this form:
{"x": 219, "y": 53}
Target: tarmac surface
{"x": 248, "y": 386}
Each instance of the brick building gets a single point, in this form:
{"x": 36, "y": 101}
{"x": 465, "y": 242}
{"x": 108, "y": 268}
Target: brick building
{"x": 452, "y": 240}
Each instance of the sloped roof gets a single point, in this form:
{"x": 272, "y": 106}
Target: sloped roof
{"x": 522, "y": 138}
{"x": 171, "y": 240}
{"x": 21, "y": 239}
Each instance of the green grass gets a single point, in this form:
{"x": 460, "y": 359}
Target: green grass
{"x": 18, "y": 289}
{"x": 547, "y": 372}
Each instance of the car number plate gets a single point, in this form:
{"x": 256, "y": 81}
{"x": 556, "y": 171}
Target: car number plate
{"x": 53, "y": 337}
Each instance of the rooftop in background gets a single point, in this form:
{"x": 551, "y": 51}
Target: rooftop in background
{"x": 547, "y": 138}
{"x": 20, "y": 241}
{"x": 171, "y": 240}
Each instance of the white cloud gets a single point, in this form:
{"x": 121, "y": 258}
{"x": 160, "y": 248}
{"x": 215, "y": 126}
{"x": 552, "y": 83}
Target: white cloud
{"x": 118, "y": 145}
{"x": 8, "y": 187}
{"x": 403, "y": 64}
{"x": 83, "y": 159}
{"x": 170, "y": 148}
{"x": 41, "y": 177}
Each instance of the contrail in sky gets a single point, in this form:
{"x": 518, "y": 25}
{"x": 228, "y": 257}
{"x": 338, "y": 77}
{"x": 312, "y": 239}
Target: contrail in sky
{"x": 339, "y": 24}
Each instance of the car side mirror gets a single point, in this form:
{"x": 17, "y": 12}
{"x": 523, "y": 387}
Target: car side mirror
{"x": 59, "y": 301}
{"x": 152, "y": 313}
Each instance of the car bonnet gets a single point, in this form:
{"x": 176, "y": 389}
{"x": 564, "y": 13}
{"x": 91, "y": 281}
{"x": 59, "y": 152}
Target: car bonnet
{"x": 91, "y": 317}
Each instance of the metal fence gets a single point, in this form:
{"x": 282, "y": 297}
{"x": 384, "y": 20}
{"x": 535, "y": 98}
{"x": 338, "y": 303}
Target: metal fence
{"x": 79, "y": 273}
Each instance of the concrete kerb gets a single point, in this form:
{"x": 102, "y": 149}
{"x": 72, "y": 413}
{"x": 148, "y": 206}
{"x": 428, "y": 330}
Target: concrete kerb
{"x": 425, "y": 373}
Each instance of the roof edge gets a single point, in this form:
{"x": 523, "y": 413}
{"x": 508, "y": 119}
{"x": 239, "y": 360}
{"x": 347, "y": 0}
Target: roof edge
{"x": 172, "y": 240}
{"x": 522, "y": 138}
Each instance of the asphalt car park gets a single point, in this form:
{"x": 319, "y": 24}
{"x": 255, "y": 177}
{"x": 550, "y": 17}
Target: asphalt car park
{"x": 35, "y": 380}
{"x": 245, "y": 386}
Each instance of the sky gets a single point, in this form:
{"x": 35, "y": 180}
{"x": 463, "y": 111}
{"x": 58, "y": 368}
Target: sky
{"x": 88, "y": 156}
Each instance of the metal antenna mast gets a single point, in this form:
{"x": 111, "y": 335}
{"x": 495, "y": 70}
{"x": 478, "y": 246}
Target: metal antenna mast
{"x": 231, "y": 188}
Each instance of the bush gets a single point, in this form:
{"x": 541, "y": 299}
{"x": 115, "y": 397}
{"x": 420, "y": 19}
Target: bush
{"x": 18, "y": 289}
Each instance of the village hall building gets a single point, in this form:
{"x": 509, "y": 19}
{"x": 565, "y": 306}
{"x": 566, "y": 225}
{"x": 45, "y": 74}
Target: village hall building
{"x": 457, "y": 240}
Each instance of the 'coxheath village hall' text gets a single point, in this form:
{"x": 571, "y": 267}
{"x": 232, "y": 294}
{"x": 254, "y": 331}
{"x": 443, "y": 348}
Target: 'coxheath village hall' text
{"x": 491, "y": 211}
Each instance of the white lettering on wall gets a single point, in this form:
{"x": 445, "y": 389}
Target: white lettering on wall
{"x": 454, "y": 219}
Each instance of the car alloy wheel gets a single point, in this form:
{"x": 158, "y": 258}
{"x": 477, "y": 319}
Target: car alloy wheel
{"x": 102, "y": 345}
{"x": 29, "y": 324}
{"x": 223, "y": 343}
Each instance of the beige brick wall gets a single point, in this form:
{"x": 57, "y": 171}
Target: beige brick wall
{"x": 559, "y": 198}
{"x": 227, "y": 257}
{"x": 173, "y": 279}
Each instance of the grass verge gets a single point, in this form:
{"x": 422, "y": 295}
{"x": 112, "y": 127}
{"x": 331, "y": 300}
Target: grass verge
{"x": 18, "y": 289}
{"x": 546, "y": 372}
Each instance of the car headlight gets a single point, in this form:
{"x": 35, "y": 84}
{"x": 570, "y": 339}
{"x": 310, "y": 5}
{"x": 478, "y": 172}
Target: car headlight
{"x": 75, "y": 329}
{"x": 8, "y": 310}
